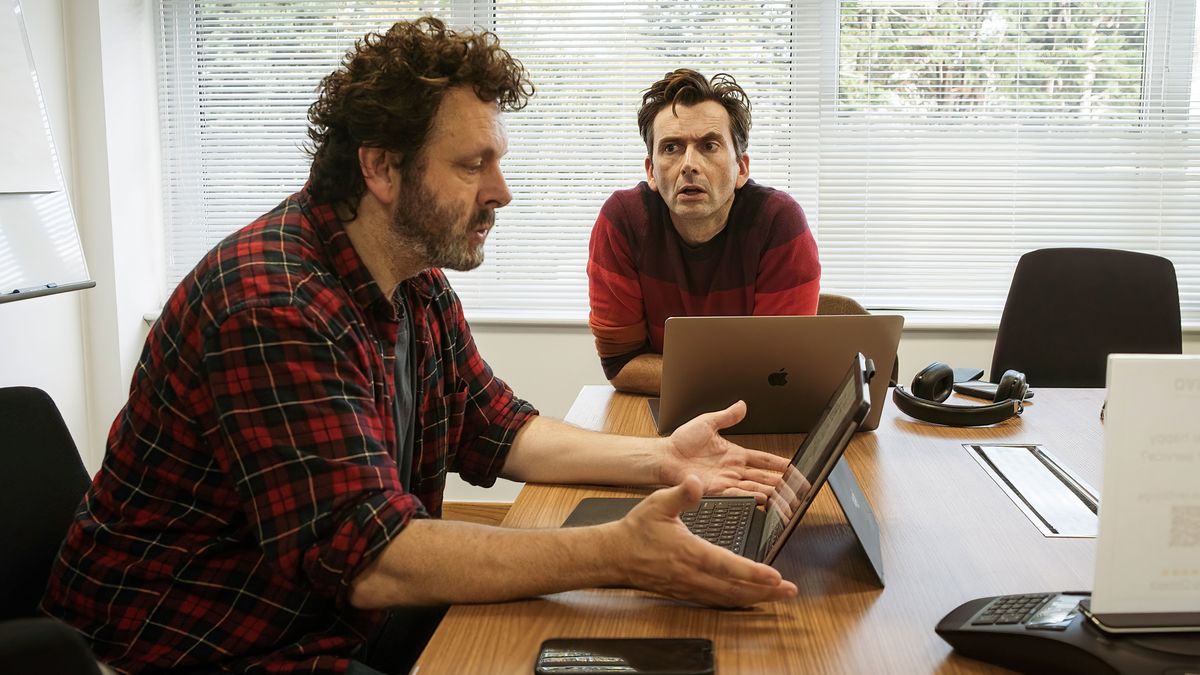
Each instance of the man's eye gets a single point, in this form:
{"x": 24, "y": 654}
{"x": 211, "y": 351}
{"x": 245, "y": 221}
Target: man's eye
{"x": 669, "y": 147}
{"x": 711, "y": 145}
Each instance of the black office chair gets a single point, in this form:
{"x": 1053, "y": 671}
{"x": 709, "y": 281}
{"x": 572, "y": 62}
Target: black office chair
{"x": 42, "y": 481}
{"x": 1069, "y": 308}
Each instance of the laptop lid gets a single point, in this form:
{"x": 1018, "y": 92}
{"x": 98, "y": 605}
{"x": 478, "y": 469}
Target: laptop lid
{"x": 847, "y": 407}
{"x": 784, "y": 367}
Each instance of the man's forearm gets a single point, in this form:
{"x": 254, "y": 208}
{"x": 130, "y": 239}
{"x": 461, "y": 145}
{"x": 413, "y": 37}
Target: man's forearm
{"x": 434, "y": 562}
{"x": 549, "y": 451}
{"x": 642, "y": 375}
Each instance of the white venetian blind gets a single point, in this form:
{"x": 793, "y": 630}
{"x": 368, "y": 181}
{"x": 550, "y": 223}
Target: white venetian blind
{"x": 930, "y": 143}
{"x": 963, "y": 134}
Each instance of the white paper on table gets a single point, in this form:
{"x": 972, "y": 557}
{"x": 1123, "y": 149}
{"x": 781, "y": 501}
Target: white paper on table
{"x": 1148, "y": 549}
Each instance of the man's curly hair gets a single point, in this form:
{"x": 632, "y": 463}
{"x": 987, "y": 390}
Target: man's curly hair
{"x": 688, "y": 87}
{"x": 387, "y": 90}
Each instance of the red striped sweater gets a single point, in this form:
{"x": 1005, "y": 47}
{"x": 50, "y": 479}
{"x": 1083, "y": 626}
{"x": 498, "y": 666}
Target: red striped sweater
{"x": 640, "y": 271}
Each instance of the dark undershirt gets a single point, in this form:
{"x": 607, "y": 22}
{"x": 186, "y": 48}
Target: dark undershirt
{"x": 405, "y": 406}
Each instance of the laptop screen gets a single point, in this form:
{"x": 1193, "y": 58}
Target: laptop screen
{"x": 815, "y": 458}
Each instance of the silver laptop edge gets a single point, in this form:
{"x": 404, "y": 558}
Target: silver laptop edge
{"x": 784, "y": 367}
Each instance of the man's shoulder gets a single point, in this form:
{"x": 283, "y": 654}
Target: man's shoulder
{"x": 758, "y": 193}
{"x": 629, "y": 201}
{"x": 280, "y": 257}
{"x": 761, "y": 205}
{"x": 636, "y": 193}
{"x": 631, "y": 210}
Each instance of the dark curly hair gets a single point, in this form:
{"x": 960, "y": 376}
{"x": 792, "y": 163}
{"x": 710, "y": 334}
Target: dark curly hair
{"x": 386, "y": 92}
{"x": 688, "y": 87}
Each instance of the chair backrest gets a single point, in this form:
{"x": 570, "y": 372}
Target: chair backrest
{"x": 42, "y": 481}
{"x": 832, "y": 303}
{"x": 1069, "y": 308}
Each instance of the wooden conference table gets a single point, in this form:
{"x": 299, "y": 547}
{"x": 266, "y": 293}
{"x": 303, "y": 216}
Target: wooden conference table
{"x": 949, "y": 534}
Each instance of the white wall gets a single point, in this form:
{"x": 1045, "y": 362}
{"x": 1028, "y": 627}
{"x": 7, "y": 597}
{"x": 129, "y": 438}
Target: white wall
{"x": 111, "y": 70}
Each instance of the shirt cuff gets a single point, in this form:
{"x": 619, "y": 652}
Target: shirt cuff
{"x": 361, "y": 535}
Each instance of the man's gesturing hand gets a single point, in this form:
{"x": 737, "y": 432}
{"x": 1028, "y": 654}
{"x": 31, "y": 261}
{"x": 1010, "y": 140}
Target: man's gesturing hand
{"x": 659, "y": 554}
{"x": 724, "y": 468}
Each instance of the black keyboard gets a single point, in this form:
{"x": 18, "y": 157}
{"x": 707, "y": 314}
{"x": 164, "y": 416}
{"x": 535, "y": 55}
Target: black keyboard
{"x": 721, "y": 522}
{"x": 1011, "y": 609}
{"x": 1049, "y": 633}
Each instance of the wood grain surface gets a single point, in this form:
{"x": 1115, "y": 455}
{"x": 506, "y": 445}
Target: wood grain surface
{"x": 484, "y": 513}
{"x": 949, "y": 535}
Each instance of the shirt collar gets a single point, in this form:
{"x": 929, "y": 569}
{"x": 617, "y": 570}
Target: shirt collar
{"x": 351, "y": 269}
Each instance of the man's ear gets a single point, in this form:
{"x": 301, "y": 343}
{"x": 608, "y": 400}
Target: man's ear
{"x": 743, "y": 174}
{"x": 381, "y": 173}
{"x": 650, "y": 174}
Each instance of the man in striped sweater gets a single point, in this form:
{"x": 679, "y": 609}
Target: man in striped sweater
{"x": 697, "y": 237}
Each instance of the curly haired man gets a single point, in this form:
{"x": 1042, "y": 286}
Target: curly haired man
{"x": 270, "y": 494}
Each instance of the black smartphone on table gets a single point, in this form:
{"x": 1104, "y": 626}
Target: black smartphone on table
{"x": 636, "y": 656}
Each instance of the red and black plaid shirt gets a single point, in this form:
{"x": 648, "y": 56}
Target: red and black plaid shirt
{"x": 252, "y": 473}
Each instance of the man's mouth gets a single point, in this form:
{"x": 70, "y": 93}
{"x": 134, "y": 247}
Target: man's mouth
{"x": 691, "y": 190}
{"x": 484, "y": 220}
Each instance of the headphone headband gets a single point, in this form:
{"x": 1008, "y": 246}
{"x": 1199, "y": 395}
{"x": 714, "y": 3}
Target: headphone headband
{"x": 932, "y": 386}
{"x": 955, "y": 415}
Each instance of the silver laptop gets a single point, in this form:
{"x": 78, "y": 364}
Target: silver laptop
{"x": 783, "y": 367}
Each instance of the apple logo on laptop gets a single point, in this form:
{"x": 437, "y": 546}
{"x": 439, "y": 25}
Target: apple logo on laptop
{"x": 777, "y": 378}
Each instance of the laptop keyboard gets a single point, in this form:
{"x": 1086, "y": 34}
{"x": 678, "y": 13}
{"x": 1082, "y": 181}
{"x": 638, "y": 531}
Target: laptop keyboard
{"x": 724, "y": 522}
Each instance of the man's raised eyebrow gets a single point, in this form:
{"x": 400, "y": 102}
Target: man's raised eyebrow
{"x": 667, "y": 139}
{"x": 710, "y": 136}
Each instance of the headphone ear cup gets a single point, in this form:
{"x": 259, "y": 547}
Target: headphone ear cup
{"x": 934, "y": 382}
{"x": 1012, "y": 385}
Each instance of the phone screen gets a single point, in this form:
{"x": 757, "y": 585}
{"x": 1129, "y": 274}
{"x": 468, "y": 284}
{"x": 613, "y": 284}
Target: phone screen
{"x": 640, "y": 656}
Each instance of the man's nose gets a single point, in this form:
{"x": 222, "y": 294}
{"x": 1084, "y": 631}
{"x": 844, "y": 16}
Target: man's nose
{"x": 494, "y": 192}
{"x": 689, "y": 160}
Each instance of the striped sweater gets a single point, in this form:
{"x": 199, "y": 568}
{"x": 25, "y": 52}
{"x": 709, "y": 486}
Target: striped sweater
{"x": 640, "y": 271}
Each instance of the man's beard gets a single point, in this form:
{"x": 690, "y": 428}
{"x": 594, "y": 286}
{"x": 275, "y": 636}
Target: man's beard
{"x": 438, "y": 233}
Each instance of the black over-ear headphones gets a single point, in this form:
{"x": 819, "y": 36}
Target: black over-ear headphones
{"x": 932, "y": 385}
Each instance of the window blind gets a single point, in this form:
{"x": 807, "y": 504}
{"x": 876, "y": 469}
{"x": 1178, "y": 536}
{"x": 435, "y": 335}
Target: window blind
{"x": 963, "y": 134}
{"x": 930, "y": 143}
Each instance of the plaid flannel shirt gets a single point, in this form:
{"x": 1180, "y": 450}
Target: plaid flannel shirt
{"x": 252, "y": 473}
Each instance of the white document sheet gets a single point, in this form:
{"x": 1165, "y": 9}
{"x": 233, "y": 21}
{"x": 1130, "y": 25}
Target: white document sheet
{"x": 1148, "y": 550}
{"x": 25, "y": 160}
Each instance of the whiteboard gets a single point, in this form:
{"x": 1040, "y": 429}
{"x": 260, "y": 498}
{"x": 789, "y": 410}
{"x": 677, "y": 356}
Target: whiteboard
{"x": 40, "y": 251}
{"x": 28, "y": 164}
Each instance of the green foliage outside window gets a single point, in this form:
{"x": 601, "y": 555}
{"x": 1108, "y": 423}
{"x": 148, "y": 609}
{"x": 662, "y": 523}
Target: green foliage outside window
{"x": 992, "y": 57}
